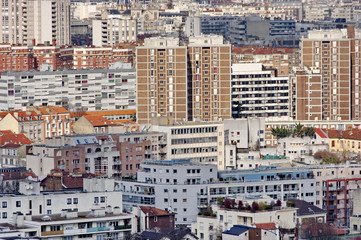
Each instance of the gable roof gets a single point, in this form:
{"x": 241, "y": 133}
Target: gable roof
{"x": 320, "y": 133}
{"x": 10, "y": 139}
{"x": 306, "y": 208}
{"x": 98, "y": 120}
{"x": 52, "y": 110}
{"x": 22, "y": 116}
{"x": 152, "y": 211}
{"x": 353, "y": 133}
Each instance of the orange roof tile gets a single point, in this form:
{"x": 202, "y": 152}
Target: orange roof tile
{"x": 10, "y": 139}
{"x": 112, "y": 112}
{"x": 121, "y": 121}
{"x": 344, "y": 134}
{"x": 320, "y": 133}
{"x": 52, "y": 110}
{"x": 152, "y": 211}
{"x": 266, "y": 226}
{"x": 22, "y": 116}
{"x": 98, "y": 120}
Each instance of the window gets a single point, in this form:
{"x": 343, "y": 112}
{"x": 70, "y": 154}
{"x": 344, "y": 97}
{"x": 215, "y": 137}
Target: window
{"x": 96, "y": 199}
{"x": 75, "y": 200}
{"x": 184, "y": 200}
{"x": 18, "y": 203}
{"x": 174, "y": 190}
{"x": 165, "y": 199}
{"x": 184, "y": 190}
{"x": 5, "y": 215}
{"x": 5, "y": 204}
{"x": 102, "y": 199}
{"x": 68, "y": 201}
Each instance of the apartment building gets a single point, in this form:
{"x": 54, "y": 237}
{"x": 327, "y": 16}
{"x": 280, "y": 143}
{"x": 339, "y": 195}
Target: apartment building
{"x": 334, "y": 188}
{"x": 161, "y": 80}
{"x": 113, "y": 30}
{"x": 185, "y": 188}
{"x": 56, "y": 121}
{"x": 281, "y": 59}
{"x": 276, "y": 219}
{"x": 16, "y": 57}
{"x": 31, "y": 201}
{"x": 271, "y": 140}
{"x": 38, "y": 19}
{"x": 28, "y": 123}
{"x": 12, "y": 149}
{"x": 99, "y": 89}
{"x": 93, "y": 154}
{"x": 331, "y": 54}
{"x": 259, "y": 93}
{"x": 201, "y": 142}
{"x": 184, "y": 82}
{"x": 99, "y": 223}
{"x": 209, "y": 78}
{"x": 112, "y": 155}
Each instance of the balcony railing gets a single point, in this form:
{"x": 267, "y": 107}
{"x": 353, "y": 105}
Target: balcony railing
{"x": 50, "y": 233}
{"x": 98, "y": 229}
{"x": 121, "y": 227}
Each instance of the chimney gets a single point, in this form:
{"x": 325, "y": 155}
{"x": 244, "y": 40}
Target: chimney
{"x": 108, "y": 209}
{"x": 33, "y": 42}
{"x": 63, "y": 212}
{"x": 116, "y": 210}
{"x": 53, "y": 42}
{"x": 98, "y": 212}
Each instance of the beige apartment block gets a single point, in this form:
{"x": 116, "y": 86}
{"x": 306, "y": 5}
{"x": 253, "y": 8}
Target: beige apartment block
{"x": 184, "y": 82}
{"x": 161, "y": 80}
{"x": 209, "y": 78}
{"x": 334, "y": 93}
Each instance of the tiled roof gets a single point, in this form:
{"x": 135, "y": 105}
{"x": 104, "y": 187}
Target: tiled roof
{"x": 354, "y": 134}
{"x": 17, "y": 175}
{"x": 110, "y": 113}
{"x": 320, "y": 133}
{"x": 98, "y": 120}
{"x": 266, "y": 226}
{"x": 52, "y": 110}
{"x": 22, "y": 116}
{"x": 152, "y": 211}
{"x": 10, "y": 139}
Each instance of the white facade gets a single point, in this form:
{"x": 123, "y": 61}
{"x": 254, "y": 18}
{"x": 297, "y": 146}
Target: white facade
{"x": 33, "y": 202}
{"x": 299, "y": 149}
{"x": 46, "y": 20}
{"x": 208, "y": 227}
{"x": 200, "y": 142}
{"x": 111, "y": 31}
{"x": 90, "y": 90}
{"x": 257, "y": 92}
{"x": 99, "y": 223}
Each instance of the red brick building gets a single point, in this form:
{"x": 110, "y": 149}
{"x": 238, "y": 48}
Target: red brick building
{"x": 25, "y": 58}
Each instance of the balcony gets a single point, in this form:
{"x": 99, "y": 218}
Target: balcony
{"x": 122, "y": 227}
{"x": 51, "y": 233}
{"x": 98, "y": 229}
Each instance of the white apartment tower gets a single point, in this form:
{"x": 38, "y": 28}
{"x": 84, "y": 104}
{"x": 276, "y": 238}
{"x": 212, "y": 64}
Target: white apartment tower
{"x": 39, "y": 20}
